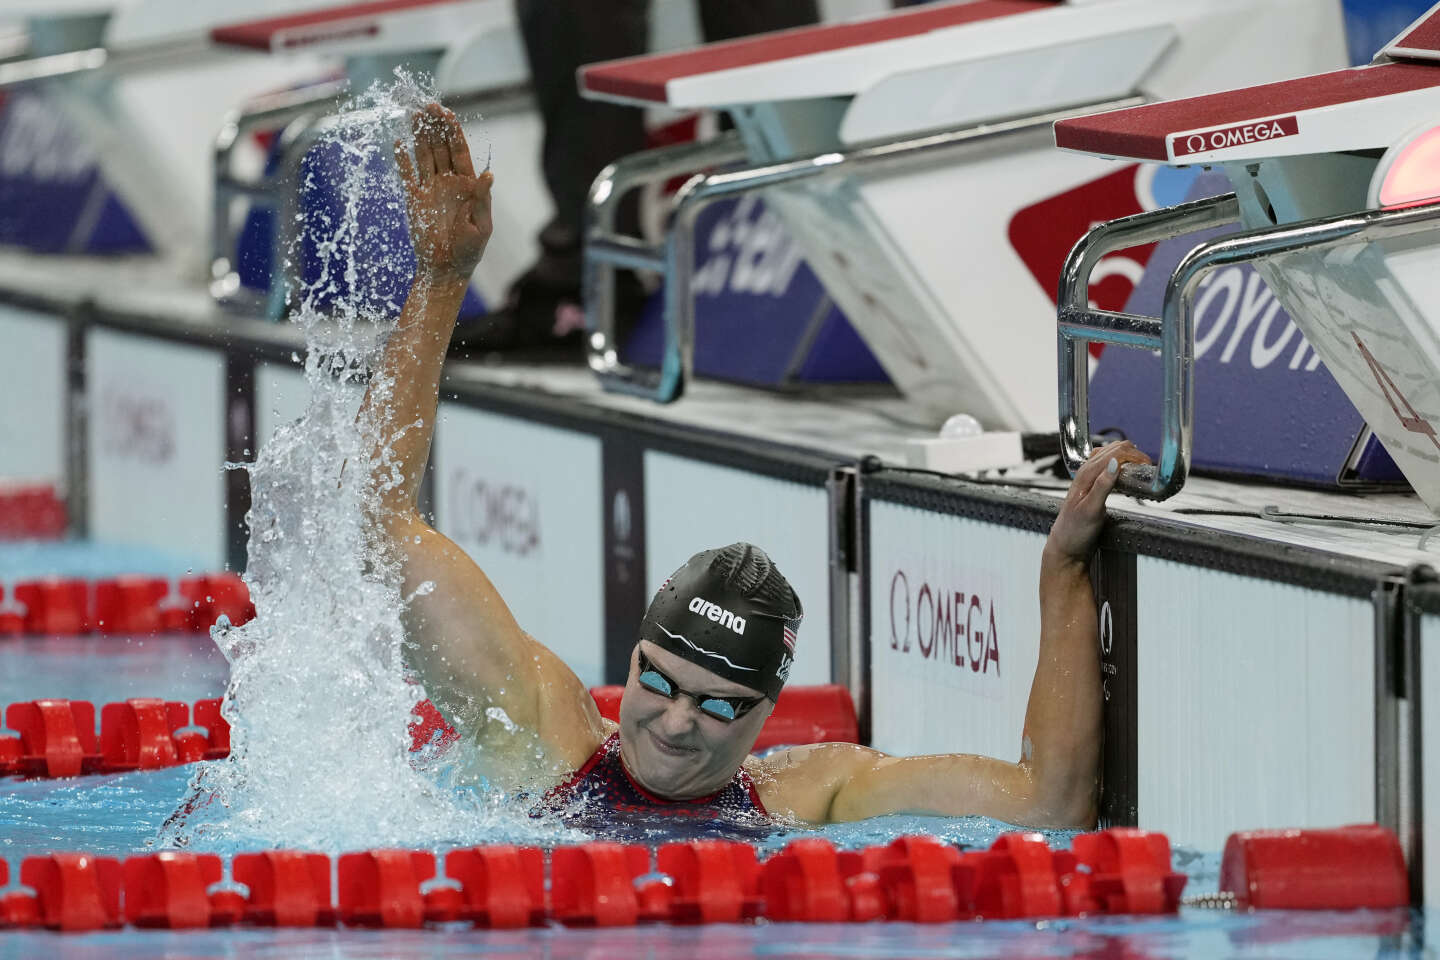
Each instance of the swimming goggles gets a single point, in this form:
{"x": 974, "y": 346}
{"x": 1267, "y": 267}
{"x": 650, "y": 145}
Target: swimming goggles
{"x": 724, "y": 709}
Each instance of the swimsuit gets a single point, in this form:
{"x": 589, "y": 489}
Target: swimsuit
{"x": 603, "y": 797}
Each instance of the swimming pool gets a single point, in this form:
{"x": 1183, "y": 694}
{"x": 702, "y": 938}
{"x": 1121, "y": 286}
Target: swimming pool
{"x": 122, "y": 814}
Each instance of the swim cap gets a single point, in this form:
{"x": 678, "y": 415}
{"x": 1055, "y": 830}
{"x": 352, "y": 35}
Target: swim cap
{"x": 731, "y": 612}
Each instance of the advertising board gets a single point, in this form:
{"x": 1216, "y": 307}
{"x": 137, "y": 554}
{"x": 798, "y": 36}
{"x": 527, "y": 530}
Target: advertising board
{"x": 156, "y": 444}
{"x": 33, "y": 392}
{"x": 524, "y": 501}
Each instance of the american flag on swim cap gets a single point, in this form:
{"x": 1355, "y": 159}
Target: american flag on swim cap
{"x": 788, "y": 634}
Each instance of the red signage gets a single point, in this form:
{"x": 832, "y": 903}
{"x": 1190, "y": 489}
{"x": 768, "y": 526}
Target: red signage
{"x": 1044, "y": 232}
{"x": 1222, "y": 138}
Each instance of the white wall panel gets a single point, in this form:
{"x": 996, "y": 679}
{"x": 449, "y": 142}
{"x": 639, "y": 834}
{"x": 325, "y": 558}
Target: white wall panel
{"x": 156, "y": 444}
{"x": 692, "y": 506}
{"x": 1430, "y": 752}
{"x": 954, "y": 632}
{"x": 32, "y": 395}
{"x": 1256, "y": 704}
{"x": 524, "y": 500}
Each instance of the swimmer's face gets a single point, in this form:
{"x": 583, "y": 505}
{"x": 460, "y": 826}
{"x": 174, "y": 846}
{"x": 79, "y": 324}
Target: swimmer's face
{"x": 673, "y": 748}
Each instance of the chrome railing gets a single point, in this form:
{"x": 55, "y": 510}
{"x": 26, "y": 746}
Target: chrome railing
{"x": 605, "y": 250}
{"x": 1173, "y": 333}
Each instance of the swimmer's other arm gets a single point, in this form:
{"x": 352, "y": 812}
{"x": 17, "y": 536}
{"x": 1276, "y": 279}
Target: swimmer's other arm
{"x": 486, "y": 675}
{"x": 1054, "y": 783}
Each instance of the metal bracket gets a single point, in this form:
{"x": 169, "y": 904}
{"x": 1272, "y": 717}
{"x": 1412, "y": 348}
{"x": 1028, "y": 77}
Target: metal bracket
{"x": 1173, "y": 333}
{"x": 605, "y": 250}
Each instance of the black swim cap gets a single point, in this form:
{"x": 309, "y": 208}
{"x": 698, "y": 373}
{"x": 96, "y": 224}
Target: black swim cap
{"x": 731, "y": 612}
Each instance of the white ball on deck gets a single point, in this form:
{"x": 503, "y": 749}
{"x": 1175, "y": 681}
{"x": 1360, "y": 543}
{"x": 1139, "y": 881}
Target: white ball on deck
{"x": 960, "y": 426}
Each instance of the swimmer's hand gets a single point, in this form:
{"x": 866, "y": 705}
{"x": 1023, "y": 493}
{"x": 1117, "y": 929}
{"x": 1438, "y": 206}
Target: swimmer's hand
{"x": 1073, "y": 536}
{"x": 449, "y": 205}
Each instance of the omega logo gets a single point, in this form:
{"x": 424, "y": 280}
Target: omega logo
{"x": 503, "y": 513}
{"x": 137, "y": 426}
{"x": 943, "y": 625}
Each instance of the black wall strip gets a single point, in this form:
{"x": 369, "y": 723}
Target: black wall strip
{"x": 240, "y": 447}
{"x": 623, "y": 502}
{"x": 1113, "y": 573}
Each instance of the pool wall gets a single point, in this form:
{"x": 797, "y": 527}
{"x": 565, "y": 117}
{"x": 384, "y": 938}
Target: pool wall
{"x": 1249, "y": 682}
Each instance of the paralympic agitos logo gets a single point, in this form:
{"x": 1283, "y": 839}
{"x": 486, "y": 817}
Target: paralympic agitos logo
{"x": 944, "y": 625}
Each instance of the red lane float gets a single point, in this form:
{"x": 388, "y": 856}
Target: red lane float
{"x": 74, "y": 891}
{"x": 56, "y": 738}
{"x": 128, "y": 605}
{"x": 1339, "y": 869}
{"x": 55, "y": 606}
{"x": 594, "y": 885}
{"x": 32, "y": 512}
{"x": 287, "y": 888}
{"x": 381, "y": 888}
{"x": 912, "y": 879}
{"x": 169, "y": 890}
{"x": 502, "y": 886}
{"x": 712, "y": 882}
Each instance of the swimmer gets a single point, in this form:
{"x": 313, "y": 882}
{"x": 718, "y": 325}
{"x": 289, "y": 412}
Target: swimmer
{"x": 715, "y": 646}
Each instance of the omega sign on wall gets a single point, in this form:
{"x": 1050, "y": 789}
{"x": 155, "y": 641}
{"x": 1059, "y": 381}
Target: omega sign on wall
{"x": 954, "y": 631}
{"x": 524, "y": 500}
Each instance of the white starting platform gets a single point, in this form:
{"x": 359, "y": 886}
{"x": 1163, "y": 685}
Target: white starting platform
{"x": 910, "y": 156}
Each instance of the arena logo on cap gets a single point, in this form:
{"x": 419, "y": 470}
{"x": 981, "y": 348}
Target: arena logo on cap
{"x": 717, "y": 613}
{"x": 1221, "y": 138}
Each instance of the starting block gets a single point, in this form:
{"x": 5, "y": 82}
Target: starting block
{"x": 908, "y": 155}
{"x": 1337, "y": 189}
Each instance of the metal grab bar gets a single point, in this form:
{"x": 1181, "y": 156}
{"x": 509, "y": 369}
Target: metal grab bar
{"x": 1173, "y": 334}
{"x": 604, "y": 249}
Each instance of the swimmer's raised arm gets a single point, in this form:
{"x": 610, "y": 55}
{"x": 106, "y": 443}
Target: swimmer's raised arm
{"x": 489, "y": 678}
{"x": 1054, "y": 783}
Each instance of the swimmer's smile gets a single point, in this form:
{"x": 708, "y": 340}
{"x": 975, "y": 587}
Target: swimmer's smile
{"x": 671, "y": 749}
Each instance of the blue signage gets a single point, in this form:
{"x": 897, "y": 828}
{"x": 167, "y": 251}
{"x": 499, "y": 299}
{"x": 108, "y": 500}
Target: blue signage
{"x": 1265, "y": 406}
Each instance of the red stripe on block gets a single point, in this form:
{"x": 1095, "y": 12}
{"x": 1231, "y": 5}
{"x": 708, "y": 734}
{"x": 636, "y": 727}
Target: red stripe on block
{"x": 258, "y": 34}
{"x": 1142, "y": 132}
{"x": 1423, "y": 35}
{"x": 645, "y": 77}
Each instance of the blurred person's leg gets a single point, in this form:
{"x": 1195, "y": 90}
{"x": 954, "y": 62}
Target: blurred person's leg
{"x": 728, "y": 19}
{"x": 543, "y": 307}
{"x": 581, "y": 137}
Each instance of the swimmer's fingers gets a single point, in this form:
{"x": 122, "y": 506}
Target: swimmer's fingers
{"x": 1105, "y": 467}
{"x": 424, "y": 152}
{"x": 406, "y": 168}
{"x": 454, "y": 135}
{"x": 439, "y": 138}
{"x": 480, "y": 197}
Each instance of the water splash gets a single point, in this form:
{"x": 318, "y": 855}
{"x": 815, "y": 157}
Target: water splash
{"x": 318, "y": 699}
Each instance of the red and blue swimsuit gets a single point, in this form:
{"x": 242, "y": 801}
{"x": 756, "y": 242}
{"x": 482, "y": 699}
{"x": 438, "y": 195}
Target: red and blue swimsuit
{"x": 603, "y": 797}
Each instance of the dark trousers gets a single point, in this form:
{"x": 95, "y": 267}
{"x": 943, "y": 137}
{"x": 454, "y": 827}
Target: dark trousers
{"x": 582, "y": 136}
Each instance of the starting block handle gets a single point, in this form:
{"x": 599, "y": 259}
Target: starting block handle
{"x": 606, "y": 251}
{"x": 1174, "y": 336}
{"x": 1174, "y": 333}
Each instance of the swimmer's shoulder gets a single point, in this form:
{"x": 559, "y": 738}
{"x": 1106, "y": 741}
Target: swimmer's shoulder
{"x": 800, "y": 783}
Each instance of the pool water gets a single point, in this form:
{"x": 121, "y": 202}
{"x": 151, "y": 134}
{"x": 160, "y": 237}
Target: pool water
{"x": 121, "y": 814}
